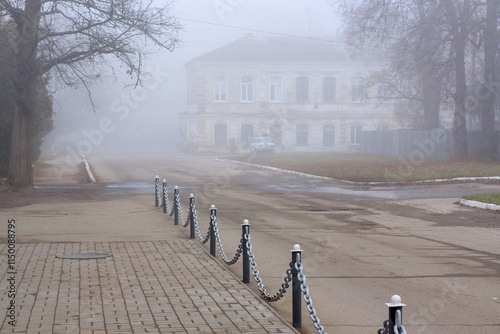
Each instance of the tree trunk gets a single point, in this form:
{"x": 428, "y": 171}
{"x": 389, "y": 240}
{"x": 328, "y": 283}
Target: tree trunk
{"x": 430, "y": 83}
{"x": 459, "y": 128}
{"x": 25, "y": 83}
{"x": 431, "y": 103}
{"x": 20, "y": 163}
{"x": 489, "y": 141}
{"x": 459, "y": 23}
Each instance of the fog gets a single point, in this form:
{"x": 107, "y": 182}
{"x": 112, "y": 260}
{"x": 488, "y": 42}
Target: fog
{"x": 119, "y": 118}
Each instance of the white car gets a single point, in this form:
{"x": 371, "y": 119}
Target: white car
{"x": 262, "y": 145}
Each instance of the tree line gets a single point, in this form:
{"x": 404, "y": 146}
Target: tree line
{"x": 442, "y": 53}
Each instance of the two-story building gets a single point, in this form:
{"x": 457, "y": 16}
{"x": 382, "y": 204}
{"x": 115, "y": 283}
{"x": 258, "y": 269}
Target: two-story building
{"x": 308, "y": 94}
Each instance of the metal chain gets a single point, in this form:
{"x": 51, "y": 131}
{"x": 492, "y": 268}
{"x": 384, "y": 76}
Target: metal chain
{"x": 398, "y": 326}
{"x": 221, "y": 250}
{"x": 167, "y": 205}
{"x": 179, "y": 208}
{"x": 307, "y": 298}
{"x": 195, "y": 216}
{"x": 169, "y": 209}
{"x": 197, "y": 230}
{"x": 186, "y": 223}
{"x": 255, "y": 272}
{"x": 385, "y": 327}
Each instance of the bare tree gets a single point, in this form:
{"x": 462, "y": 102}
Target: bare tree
{"x": 490, "y": 86}
{"x": 69, "y": 38}
{"x": 404, "y": 31}
{"x": 430, "y": 41}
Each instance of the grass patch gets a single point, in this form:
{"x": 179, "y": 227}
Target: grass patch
{"x": 366, "y": 168}
{"x": 487, "y": 198}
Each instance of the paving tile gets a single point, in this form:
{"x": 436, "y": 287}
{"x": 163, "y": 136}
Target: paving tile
{"x": 144, "y": 287}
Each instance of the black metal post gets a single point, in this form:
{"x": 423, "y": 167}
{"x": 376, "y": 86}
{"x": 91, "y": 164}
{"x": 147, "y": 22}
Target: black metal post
{"x": 191, "y": 217}
{"x": 157, "y": 185}
{"x": 296, "y": 292}
{"x": 164, "y": 198}
{"x": 176, "y": 207}
{"x": 245, "y": 229}
{"x": 394, "y": 306}
{"x": 213, "y": 214}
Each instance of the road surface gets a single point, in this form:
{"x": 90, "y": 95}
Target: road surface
{"x": 360, "y": 246}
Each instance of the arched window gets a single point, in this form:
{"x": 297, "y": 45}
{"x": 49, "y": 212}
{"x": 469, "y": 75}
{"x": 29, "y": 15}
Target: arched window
{"x": 329, "y": 89}
{"x": 276, "y": 89}
{"x": 276, "y": 132}
{"x": 302, "y": 134}
{"x": 356, "y": 134}
{"x": 328, "y": 135}
{"x": 247, "y": 89}
{"x": 220, "y": 89}
{"x": 302, "y": 89}
{"x": 220, "y": 134}
{"x": 246, "y": 133}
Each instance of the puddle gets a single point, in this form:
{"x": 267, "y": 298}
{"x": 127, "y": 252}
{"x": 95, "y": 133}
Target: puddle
{"x": 131, "y": 185}
{"x": 136, "y": 188}
{"x": 394, "y": 193}
{"x": 84, "y": 256}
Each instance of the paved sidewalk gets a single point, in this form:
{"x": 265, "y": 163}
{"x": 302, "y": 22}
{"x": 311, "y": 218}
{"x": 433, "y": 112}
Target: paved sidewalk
{"x": 155, "y": 281}
{"x": 144, "y": 287}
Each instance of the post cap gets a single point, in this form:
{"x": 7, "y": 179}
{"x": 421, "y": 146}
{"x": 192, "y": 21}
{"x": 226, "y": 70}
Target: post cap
{"x": 245, "y": 222}
{"x": 157, "y": 177}
{"x": 164, "y": 181}
{"x": 176, "y": 188}
{"x": 212, "y": 207}
{"x": 296, "y": 248}
{"x": 191, "y": 196}
{"x": 395, "y": 301}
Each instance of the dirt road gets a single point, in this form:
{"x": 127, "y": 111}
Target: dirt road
{"x": 360, "y": 246}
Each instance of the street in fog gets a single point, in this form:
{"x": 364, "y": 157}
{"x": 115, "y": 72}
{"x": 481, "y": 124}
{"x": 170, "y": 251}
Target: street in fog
{"x": 440, "y": 257}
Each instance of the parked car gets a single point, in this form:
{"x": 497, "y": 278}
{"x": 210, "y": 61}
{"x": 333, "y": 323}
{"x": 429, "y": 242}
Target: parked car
{"x": 262, "y": 145}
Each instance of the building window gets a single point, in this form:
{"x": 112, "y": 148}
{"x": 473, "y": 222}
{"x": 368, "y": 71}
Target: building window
{"x": 356, "y": 134}
{"x": 247, "y": 89}
{"x": 220, "y": 89}
{"x": 302, "y": 86}
{"x": 328, "y": 135}
{"x": 276, "y": 133}
{"x": 220, "y": 134}
{"x": 357, "y": 90}
{"x": 246, "y": 133}
{"x": 383, "y": 93}
{"x": 275, "y": 89}
{"x": 302, "y": 134}
{"x": 329, "y": 89}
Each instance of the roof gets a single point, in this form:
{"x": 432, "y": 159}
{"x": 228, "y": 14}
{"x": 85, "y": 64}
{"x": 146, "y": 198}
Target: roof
{"x": 276, "y": 49}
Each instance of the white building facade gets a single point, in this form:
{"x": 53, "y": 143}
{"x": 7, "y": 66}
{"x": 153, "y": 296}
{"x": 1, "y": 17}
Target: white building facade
{"x": 306, "y": 94}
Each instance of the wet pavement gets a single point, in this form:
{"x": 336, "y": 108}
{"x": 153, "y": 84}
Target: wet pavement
{"x": 156, "y": 279}
{"x": 392, "y": 192}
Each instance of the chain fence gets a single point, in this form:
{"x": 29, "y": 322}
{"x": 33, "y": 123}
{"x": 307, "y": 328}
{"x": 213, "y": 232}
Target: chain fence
{"x": 295, "y": 270}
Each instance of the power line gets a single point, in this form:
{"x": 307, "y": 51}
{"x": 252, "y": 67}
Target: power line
{"x": 262, "y": 31}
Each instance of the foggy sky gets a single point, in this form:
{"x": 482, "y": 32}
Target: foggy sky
{"x": 148, "y": 116}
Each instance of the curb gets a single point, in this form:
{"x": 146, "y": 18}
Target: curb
{"x": 480, "y": 205}
{"x": 291, "y": 172}
{"x": 89, "y": 172}
{"x": 285, "y": 171}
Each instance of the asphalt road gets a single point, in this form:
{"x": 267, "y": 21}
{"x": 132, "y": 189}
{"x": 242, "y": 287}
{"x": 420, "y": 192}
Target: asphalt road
{"x": 361, "y": 245}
